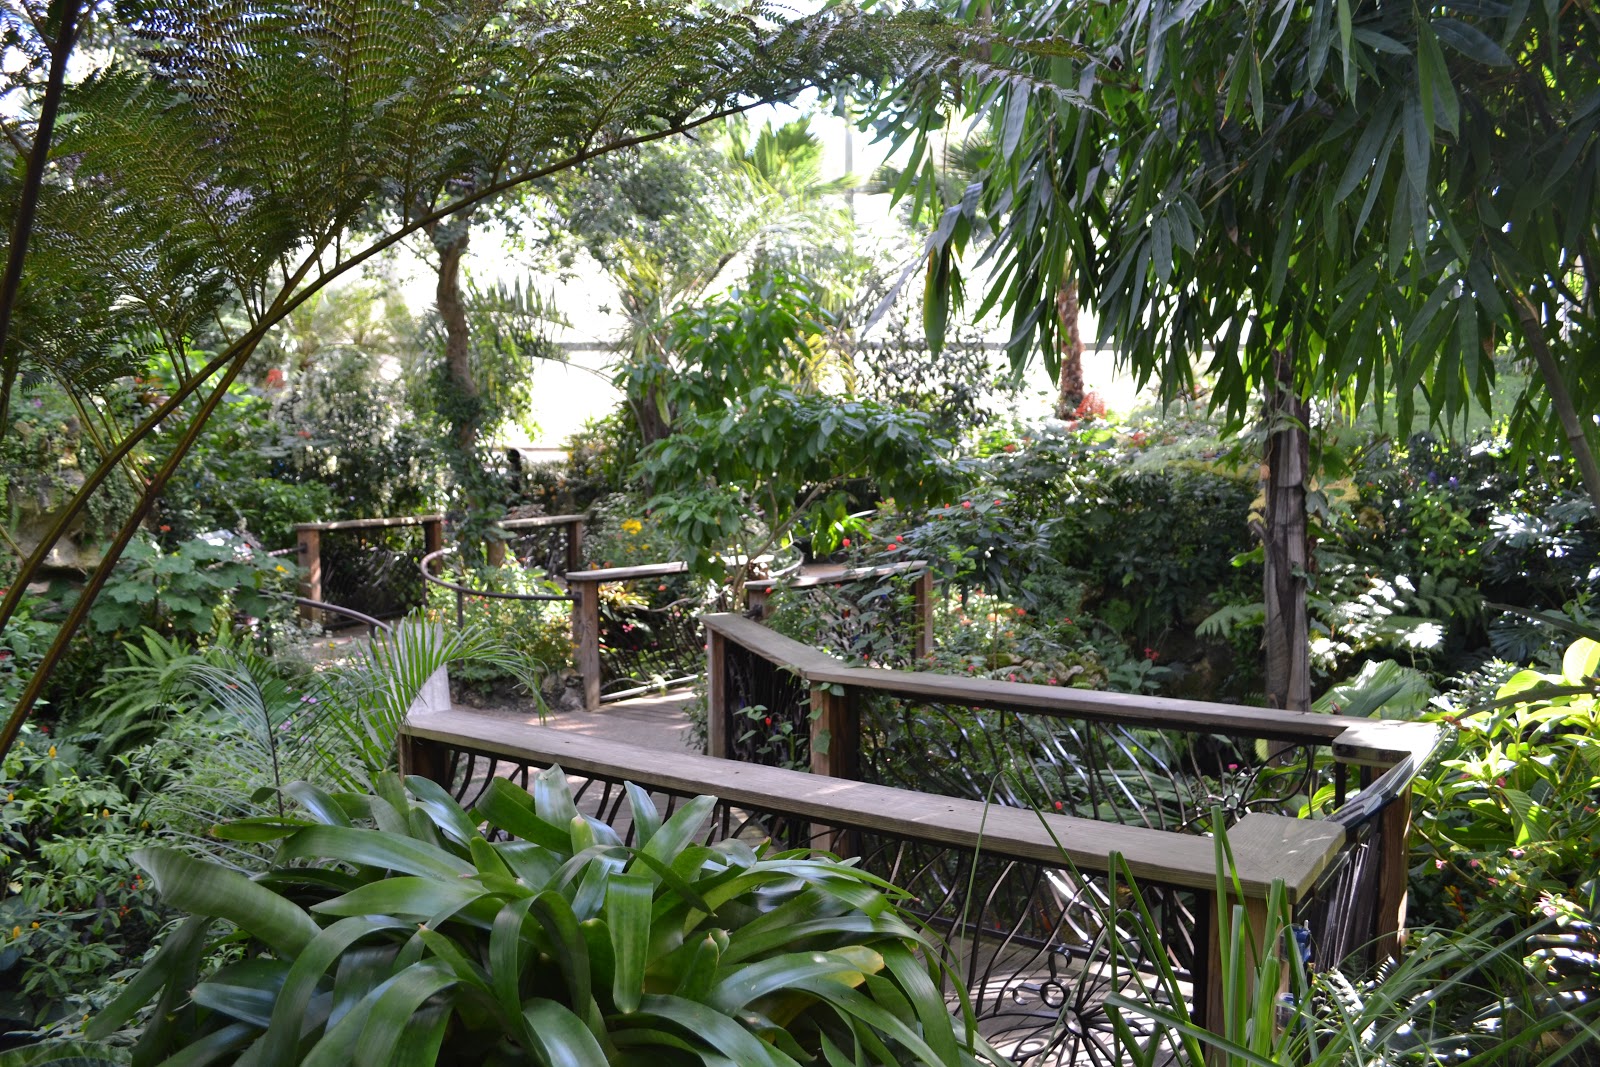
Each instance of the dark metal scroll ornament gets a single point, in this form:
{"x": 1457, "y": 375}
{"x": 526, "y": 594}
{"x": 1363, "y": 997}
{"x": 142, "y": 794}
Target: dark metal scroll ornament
{"x": 1130, "y": 775}
{"x": 374, "y": 570}
{"x": 644, "y": 647}
{"x": 769, "y": 711}
{"x": 541, "y": 548}
{"x": 1038, "y": 948}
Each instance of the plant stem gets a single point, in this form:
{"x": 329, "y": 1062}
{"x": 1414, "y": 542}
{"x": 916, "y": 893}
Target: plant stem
{"x": 22, "y": 226}
{"x": 102, "y": 573}
{"x": 1560, "y": 397}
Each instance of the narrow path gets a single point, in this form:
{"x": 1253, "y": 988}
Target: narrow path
{"x": 656, "y": 721}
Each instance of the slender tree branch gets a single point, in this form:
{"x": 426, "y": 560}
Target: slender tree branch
{"x": 22, "y": 226}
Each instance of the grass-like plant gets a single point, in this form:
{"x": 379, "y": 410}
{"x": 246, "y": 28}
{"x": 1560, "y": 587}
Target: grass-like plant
{"x": 1455, "y": 996}
{"x": 396, "y": 928}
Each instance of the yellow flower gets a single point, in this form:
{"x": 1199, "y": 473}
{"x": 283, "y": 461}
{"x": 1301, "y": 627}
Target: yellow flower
{"x": 105, "y": 813}
{"x": 631, "y": 526}
{"x": 16, "y": 931}
{"x": 281, "y": 569}
{"x": 52, "y": 752}
{"x": 34, "y": 925}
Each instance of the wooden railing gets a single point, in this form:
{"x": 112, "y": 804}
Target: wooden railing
{"x": 881, "y": 579}
{"x": 372, "y": 565}
{"x": 367, "y": 565}
{"x": 1141, "y": 761}
{"x": 1026, "y": 900}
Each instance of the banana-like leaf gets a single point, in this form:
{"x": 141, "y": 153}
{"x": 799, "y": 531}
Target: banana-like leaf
{"x": 560, "y": 1038}
{"x": 203, "y": 888}
{"x": 65, "y": 1054}
{"x": 374, "y": 848}
{"x": 627, "y": 912}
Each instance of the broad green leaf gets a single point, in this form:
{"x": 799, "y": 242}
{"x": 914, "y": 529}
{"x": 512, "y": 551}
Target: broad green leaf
{"x": 646, "y": 819}
{"x": 407, "y": 896}
{"x": 739, "y": 987}
{"x": 392, "y": 1010}
{"x": 308, "y": 971}
{"x": 560, "y": 1038}
{"x": 508, "y": 808}
{"x": 374, "y": 848}
{"x": 627, "y": 915}
{"x": 203, "y": 888}
{"x": 713, "y": 1027}
{"x": 1581, "y": 661}
{"x": 183, "y": 942}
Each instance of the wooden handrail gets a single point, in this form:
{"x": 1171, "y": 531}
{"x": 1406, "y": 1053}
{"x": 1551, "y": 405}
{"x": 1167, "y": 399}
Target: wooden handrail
{"x": 364, "y": 524}
{"x": 1265, "y": 847}
{"x": 543, "y": 520}
{"x": 622, "y": 574}
{"x": 1371, "y": 742}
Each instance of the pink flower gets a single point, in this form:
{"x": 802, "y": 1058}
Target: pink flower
{"x": 966, "y": 504}
{"x": 846, "y": 542}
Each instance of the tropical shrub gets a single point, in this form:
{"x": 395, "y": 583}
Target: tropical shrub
{"x": 193, "y": 591}
{"x": 536, "y": 634}
{"x": 75, "y": 908}
{"x": 538, "y": 936}
{"x": 1508, "y": 818}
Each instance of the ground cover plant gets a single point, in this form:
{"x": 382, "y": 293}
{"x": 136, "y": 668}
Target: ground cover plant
{"x": 527, "y": 932}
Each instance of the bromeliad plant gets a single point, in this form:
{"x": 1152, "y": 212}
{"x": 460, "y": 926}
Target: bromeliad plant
{"x": 526, "y": 932}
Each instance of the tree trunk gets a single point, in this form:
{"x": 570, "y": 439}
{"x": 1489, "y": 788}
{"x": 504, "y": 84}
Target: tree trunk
{"x": 1550, "y": 372}
{"x": 1287, "y": 640}
{"x": 457, "y": 338}
{"x": 1071, "y": 376}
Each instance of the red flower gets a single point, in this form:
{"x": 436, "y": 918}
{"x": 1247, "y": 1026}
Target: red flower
{"x": 274, "y": 377}
{"x": 966, "y": 503}
{"x": 999, "y": 501}
{"x": 894, "y": 547}
{"x": 1058, "y": 805}
{"x": 769, "y": 720}
{"x": 1151, "y": 654}
{"x": 165, "y": 528}
{"x": 846, "y": 542}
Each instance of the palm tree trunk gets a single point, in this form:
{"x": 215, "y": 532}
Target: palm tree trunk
{"x": 1287, "y": 641}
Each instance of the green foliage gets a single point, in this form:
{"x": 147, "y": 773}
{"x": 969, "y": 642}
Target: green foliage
{"x": 784, "y": 458}
{"x": 1457, "y": 993}
{"x": 75, "y": 908}
{"x": 540, "y": 937}
{"x": 1507, "y": 821}
{"x": 195, "y": 590}
{"x": 536, "y": 635}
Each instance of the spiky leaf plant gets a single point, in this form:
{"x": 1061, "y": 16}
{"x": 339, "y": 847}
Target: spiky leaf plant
{"x": 398, "y": 929}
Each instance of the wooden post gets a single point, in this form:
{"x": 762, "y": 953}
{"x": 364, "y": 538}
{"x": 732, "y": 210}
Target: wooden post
{"x": 755, "y": 598}
{"x": 1394, "y": 868}
{"x": 835, "y": 740}
{"x": 310, "y": 556}
{"x": 1212, "y": 979}
{"x": 432, "y": 535}
{"x": 586, "y": 636}
{"x": 422, "y": 758}
{"x": 495, "y": 552}
{"x": 922, "y": 609}
{"x": 717, "y": 695}
{"x": 575, "y": 545}
{"x": 834, "y": 749}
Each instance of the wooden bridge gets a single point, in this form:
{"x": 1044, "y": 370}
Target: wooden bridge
{"x": 1002, "y": 807}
